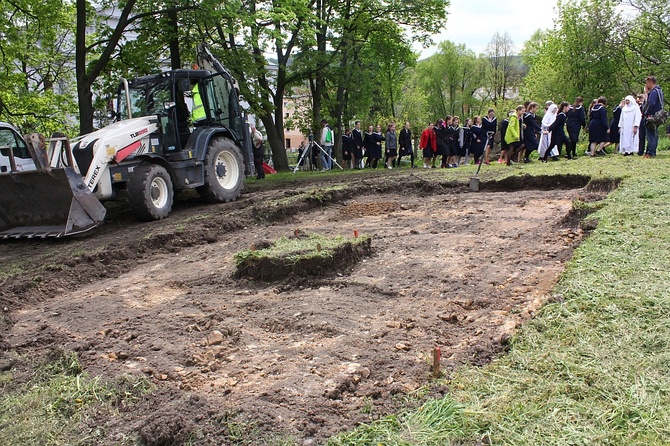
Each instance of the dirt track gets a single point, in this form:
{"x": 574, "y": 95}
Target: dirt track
{"x": 301, "y": 358}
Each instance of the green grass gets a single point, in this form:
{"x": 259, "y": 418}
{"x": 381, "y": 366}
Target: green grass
{"x": 54, "y": 405}
{"x": 292, "y": 249}
{"x": 591, "y": 370}
{"x": 10, "y": 270}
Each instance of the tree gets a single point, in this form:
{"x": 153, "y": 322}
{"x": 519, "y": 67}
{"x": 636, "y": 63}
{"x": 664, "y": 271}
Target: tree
{"x": 35, "y": 59}
{"x": 581, "y": 57}
{"x": 450, "y": 79}
{"x": 647, "y": 41}
{"x": 504, "y": 70}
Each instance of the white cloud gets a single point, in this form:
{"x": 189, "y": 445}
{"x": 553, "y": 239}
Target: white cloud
{"x": 474, "y": 22}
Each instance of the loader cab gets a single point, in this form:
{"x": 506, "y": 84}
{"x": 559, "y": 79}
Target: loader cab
{"x": 12, "y": 143}
{"x": 183, "y": 100}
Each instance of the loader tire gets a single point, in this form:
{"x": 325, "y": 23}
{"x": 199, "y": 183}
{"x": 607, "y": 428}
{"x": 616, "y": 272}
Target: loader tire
{"x": 150, "y": 192}
{"x": 224, "y": 172}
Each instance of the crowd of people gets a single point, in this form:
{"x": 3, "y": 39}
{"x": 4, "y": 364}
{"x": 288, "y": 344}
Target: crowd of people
{"x": 633, "y": 129}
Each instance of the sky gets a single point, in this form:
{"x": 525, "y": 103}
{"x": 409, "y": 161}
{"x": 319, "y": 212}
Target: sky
{"x": 473, "y": 22}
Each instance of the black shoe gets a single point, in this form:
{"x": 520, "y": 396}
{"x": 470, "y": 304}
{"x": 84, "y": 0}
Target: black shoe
{"x": 600, "y": 153}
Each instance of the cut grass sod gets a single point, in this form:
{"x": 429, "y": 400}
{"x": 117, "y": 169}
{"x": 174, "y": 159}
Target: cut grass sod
{"x": 302, "y": 254}
{"x": 592, "y": 368}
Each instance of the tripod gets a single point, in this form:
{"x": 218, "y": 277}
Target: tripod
{"x": 309, "y": 150}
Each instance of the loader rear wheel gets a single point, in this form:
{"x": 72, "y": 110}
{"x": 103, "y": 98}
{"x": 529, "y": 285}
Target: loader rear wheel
{"x": 224, "y": 172}
{"x": 150, "y": 192}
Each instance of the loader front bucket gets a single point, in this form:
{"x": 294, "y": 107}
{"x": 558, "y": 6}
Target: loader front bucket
{"x": 54, "y": 203}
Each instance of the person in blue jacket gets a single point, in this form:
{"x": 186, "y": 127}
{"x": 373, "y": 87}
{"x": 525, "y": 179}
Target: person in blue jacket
{"x": 654, "y": 104}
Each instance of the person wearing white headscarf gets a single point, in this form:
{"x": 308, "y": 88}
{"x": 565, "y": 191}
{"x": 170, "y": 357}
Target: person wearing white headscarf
{"x": 629, "y": 126}
{"x": 545, "y": 138}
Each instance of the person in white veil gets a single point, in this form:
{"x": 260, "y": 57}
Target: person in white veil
{"x": 545, "y": 138}
{"x": 629, "y": 126}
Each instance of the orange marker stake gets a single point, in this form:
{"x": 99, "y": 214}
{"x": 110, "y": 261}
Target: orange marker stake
{"x": 437, "y": 354}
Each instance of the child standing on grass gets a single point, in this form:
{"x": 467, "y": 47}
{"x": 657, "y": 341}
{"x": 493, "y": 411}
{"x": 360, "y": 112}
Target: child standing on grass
{"x": 514, "y": 134}
{"x": 530, "y": 131}
{"x": 575, "y": 121}
{"x": 489, "y": 127}
{"x": 427, "y": 144}
{"x": 405, "y": 145}
{"x": 598, "y": 127}
{"x": 613, "y": 131}
{"x": 391, "y": 145}
{"x": 441, "y": 138}
{"x": 478, "y": 144}
{"x": 557, "y": 129}
{"x": 503, "y": 131}
{"x": 453, "y": 132}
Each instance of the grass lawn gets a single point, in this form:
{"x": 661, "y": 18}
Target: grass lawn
{"x": 592, "y": 369}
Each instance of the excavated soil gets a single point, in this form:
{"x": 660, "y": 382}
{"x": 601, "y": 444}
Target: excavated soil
{"x": 239, "y": 361}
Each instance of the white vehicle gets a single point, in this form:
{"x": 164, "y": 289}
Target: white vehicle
{"x": 12, "y": 143}
{"x": 156, "y": 146}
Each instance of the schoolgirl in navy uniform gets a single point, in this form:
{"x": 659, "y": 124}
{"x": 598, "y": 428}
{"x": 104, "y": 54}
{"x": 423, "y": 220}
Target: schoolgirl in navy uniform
{"x": 405, "y": 144}
{"x": 357, "y": 135}
{"x": 489, "y": 124}
{"x": 478, "y": 143}
{"x": 530, "y": 131}
{"x": 453, "y": 131}
{"x": 465, "y": 142}
{"x": 557, "y": 129}
{"x": 613, "y": 131}
{"x": 503, "y": 144}
{"x": 575, "y": 121}
{"x": 598, "y": 127}
{"x": 348, "y": 146}
{"x": 441, "y": 137}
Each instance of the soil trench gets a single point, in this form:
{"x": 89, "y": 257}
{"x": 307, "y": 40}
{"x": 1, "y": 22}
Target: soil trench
{"x": 309, "y": 357}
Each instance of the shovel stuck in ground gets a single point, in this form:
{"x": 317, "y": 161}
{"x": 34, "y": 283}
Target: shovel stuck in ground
{"x": 474, "y": 181}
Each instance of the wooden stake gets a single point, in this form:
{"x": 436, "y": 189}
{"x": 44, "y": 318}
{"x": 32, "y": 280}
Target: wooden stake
{"x": 437, "y": 353}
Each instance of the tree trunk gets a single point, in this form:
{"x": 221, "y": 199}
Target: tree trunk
{"x": 87, "y": 74}
{"x": 278, "y": 146}
{"x": 173, "y": 25}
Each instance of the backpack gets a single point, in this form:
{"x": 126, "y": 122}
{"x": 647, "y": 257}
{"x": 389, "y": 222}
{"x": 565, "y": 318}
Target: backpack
{"x": 329, "y": 135}
{"x": 657, "y": 118}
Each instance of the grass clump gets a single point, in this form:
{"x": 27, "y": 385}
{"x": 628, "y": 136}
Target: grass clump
{"x": 56, "y": 402}
{"x": 303, "y": 254}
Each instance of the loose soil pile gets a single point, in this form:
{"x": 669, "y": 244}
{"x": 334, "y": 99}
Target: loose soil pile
{"x": 246, "y": 360}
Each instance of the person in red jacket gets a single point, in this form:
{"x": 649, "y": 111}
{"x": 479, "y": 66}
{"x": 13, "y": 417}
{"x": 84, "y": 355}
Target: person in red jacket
{"x": 428, "y": 143}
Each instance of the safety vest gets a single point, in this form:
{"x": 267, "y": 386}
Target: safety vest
{"x": 198, "y": 109}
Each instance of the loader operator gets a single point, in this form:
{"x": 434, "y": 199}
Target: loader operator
{"x": 198, "y": 111}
